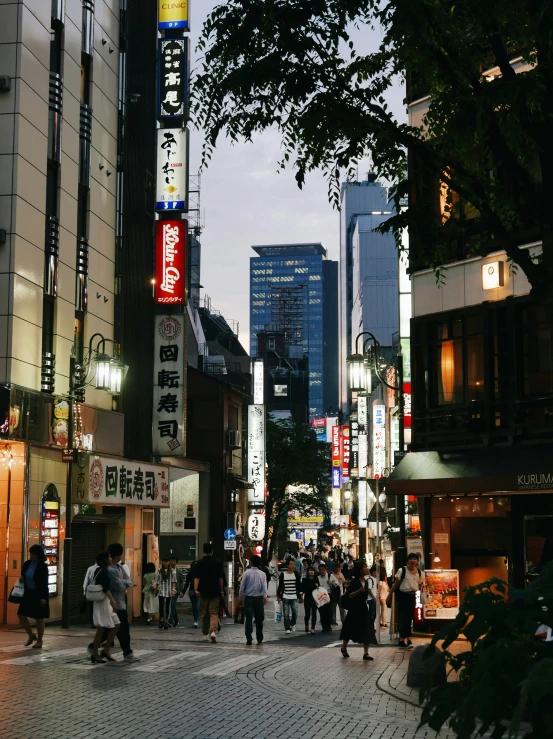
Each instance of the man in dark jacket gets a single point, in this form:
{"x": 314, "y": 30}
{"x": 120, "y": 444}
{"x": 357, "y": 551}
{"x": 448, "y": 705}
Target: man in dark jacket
{"x": 289, "y": 593}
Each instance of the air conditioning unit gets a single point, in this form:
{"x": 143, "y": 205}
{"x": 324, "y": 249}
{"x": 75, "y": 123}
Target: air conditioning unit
{"x": 235, "y": 439}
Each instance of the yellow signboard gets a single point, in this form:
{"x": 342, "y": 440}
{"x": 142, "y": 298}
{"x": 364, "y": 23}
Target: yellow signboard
{"x": 174, "y": 14}
{"x": 306, "y": 519}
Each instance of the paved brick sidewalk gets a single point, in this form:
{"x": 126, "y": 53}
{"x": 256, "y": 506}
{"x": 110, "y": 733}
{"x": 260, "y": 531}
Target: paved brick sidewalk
{"x": 291, "y": 686}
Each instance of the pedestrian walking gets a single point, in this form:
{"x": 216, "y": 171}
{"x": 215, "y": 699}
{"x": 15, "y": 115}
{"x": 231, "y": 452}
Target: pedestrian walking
{"x": 166, "y": 587}
{"x": 179, "y": 591}
{"x": 408, "y": 581}
{"x": 358, "y": 626}
{"x": 289, "y": 594}
{"x": 342, "y": 583}
{"x": 88, "y": 578}
{"x": 253, "y": 595}
{"x": 209, "y": 586}
{"x": 35, "y": 601}
{"x": 151, "y": 603}
{"x": 104, "y": 612}
{"x": 194, "y": 599}
{"x": 383, "y": 593}
{"x": 308, "y": 584}
{"x": 119, "y": 583}
{"x": 372, "y": 600}
{"x": 327, "y": 582}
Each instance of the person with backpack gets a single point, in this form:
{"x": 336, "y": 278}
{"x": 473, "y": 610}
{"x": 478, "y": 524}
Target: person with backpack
{"x": 407, "y": 582}
{"x": 289, "y": 594}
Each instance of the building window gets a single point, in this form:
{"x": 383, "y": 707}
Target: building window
{"x": 271, "y": 343}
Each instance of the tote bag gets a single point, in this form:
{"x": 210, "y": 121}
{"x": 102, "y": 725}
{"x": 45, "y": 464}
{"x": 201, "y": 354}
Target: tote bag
{"x": 321, "y": 597}
{"x": 16, "y": 596}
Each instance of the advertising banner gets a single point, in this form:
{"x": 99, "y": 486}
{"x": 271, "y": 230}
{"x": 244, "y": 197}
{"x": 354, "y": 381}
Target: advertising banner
{"x": 336, "y": 450}
{"x": 174, "y": 14}
{"x": 354, "y": 446}
{"x": 169, "y": 363}
{"x": 256, "y": 455}
{"x": 442, "y": 591}
{"x": 123, "y": 482}
{"x": 172, "y": 169}
{"x": 331, "y": 421}
{"x": 379, "y": 440}
{"x": 319, "y": 427}
{"x": 345, "y": 453}
{"x": 258, "y": 382}
{"x": 173, "y": 78}
{"x": 170, "y": 284}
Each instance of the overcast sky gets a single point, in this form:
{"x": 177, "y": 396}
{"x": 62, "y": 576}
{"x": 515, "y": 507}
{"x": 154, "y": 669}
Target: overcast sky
{"x": 247, "y": 200}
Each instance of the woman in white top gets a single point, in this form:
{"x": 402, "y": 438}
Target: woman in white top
{"x": 383, "y": 592}
{"x": 105, "y": 616}
{"x": 166, "y": 587}
{"x": 407, "y": 581}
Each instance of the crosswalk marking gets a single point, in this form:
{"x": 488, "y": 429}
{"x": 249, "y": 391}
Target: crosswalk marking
{"x": 42, "y": 656}
{"x": 90, "y": 666}
{"x": 230, "y": 665}
{"x": 164, "y": 664}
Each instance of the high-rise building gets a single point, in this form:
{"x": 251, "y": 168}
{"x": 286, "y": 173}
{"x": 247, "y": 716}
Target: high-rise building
{"x": 293, "y": 289}
{"x": 368, "y": 271}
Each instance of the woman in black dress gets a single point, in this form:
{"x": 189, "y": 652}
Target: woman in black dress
{"x": 35, "y": 597}
{"x": 308, "y": 585}
{"x": 358, "y": 626}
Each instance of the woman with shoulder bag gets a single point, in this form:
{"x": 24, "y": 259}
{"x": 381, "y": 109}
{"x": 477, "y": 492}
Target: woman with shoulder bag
{"x": 151, "y": 605}
{"x": 104, "y": 610}
{"x": 358, "y": 626}
{"x": 408, "y": 581}
{"x": 309, "y": 583}
{"x": 34, "y": 603}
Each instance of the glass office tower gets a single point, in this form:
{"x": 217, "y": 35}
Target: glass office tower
{"x": 290, "y": 287}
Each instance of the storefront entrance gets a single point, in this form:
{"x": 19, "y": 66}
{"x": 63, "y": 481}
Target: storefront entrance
{"x": 88, "y": 540}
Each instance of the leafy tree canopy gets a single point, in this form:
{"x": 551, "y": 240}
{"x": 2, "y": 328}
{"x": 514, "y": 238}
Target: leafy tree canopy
{"x": 298, "y": 474}
{"x": 294, "y": 65}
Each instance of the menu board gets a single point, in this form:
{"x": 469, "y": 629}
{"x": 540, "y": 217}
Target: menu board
{"x": 442, "y": 594}
{"x": 49, "y": 534}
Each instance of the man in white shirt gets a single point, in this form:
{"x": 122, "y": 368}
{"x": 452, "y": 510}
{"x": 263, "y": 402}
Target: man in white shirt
{"x": 327, "y": 582}
{"x": 373, "y": 593}
{"x": 407, "y": 581}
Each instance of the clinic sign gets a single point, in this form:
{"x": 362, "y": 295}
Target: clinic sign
{"x": 123, "y": 482}
{"x": 170, "y": 283}
{"x": 174, "y": 14}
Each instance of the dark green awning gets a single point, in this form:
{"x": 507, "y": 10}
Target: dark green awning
{"x": 512, "y": 469}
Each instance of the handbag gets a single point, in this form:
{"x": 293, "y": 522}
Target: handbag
{"x": 16, "y": 596}
{"x": 344, "y": 601}
{"x": 321, "y": 597}
{"x": 278, "y": 612}
{"x": 94, "y": 592}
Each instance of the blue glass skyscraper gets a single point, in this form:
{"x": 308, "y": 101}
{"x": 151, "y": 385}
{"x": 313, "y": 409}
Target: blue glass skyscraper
{"x": 294, "y": 287}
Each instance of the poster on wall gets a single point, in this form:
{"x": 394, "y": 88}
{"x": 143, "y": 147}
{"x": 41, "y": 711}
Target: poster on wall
{"x": 442, "y": 590}
{"x": 168, "y": 380}
{"x": 172, "y": 169}
{"x": 174, "y": 14}
{"x": 414, "y": 545}
{"x": 173, "y": 77}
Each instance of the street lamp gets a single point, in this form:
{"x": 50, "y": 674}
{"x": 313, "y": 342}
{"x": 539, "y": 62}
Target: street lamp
{"x": 357, "y": 373}
{"x": 109, "y": 373}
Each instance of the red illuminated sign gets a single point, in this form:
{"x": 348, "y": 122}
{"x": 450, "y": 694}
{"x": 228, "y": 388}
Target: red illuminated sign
{"x": 170, "y": 284}
{"x": 407, "y": 405}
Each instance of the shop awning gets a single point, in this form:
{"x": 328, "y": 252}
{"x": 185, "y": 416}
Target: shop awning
{"x": 512, "y": 469}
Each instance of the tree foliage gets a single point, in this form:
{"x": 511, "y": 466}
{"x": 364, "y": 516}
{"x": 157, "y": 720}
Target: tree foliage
{"x": 294, "y": 458}
{"x": 505, "y": 683}
{"x": 300, "y": 66}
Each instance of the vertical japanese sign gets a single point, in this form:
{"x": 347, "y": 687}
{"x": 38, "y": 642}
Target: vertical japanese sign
{"x": 168, "y": 410}
{"x": 362, "y": 401}
{"x": 174, "y": 14}
{"x": 336, "y": 457}
{"x": 362, "y": 503}
{"x": 354, "y": 446}
{"x": 345, "y": 452}
{"x": 363, "y": 453}
{"x": 406, "y": 352}
{"x": 256, "y": 455}
{"x": 172, "y": 169}
{"x": 379, "y": 440}
{"x": 330, "y": 422}
{"x": 173, "y": 77}
{"x": 170, "y": 286}
{"x": 258, "y": 382}
{"x": 256, "y": 526}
